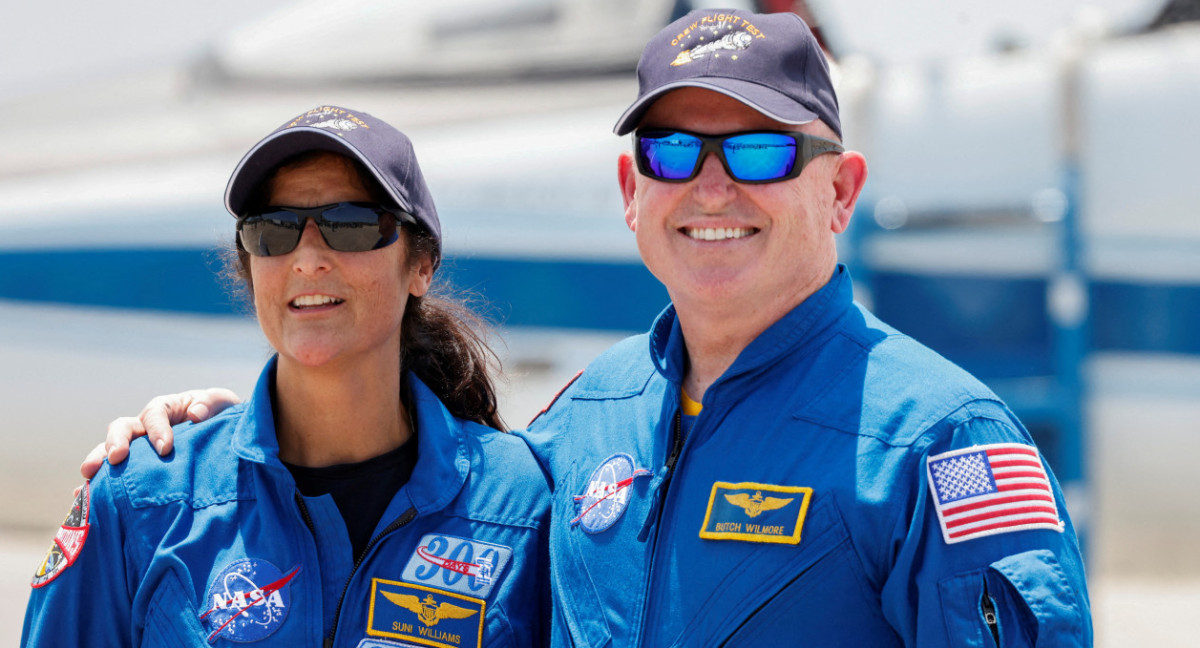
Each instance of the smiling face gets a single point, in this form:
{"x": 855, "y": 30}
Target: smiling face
{"x": 318, "y": 306}
{"x": 721, "y": 245}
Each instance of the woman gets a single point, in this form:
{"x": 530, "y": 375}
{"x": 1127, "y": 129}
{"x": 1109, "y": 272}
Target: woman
{"x": 359, "y": 495}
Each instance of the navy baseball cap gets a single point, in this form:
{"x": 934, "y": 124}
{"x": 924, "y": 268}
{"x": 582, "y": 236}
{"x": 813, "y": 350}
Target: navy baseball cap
{"x": 385, "y": 152}
{"x": 770, "y": 62}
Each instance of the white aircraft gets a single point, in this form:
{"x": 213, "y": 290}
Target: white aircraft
{"x": 1031, "y": 213}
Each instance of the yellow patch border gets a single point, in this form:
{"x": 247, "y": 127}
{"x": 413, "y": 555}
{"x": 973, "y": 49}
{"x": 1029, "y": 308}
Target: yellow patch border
{"x": 408, "y": 637}
{"x": 794, "y": 538}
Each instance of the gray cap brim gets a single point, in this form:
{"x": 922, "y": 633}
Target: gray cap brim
{"x": 257, "y": 165}
{"x": 767, "y": 101}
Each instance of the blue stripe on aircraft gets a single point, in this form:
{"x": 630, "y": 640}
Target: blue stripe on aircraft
{"x": 999, "y": 327}
{"x": 996, "y": 327}
{"x": 519, "y": 292}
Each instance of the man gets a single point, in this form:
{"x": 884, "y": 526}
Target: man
{"x": 770, "y": 464}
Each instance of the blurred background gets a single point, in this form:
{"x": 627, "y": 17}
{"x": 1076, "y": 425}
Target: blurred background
{"x": 1031, "y": 213}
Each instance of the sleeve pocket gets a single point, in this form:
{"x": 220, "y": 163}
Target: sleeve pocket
{"x": 1029, "y": 598}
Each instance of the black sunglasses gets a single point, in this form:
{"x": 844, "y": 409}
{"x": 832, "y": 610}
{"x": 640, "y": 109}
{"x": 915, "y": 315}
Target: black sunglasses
{"x": 751, "y": 157}
{"x": 345, "y": 226}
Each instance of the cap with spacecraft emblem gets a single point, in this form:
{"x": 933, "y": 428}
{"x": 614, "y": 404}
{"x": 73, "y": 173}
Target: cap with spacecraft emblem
{"x": 770, "y": 62}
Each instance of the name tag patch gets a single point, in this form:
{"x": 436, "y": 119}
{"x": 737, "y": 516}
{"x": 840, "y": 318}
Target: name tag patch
{"x": 753, "y": 512}
{"x": 424, "y": 615}
{"x": 457, "y": 564}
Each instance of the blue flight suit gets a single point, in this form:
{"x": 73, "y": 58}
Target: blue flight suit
{"x": 214, "y": 546}
{"x": 843, "y": 486}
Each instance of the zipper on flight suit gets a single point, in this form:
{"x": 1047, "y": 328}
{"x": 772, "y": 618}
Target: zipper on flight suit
{"x": 405, "y": 518}
{"x": 655, "y": 517}
{"x": 988, "y": 607}
{"x": 660, "y": 492}
{"x": 304, "y": 512}
{"x": 676, "y": 449}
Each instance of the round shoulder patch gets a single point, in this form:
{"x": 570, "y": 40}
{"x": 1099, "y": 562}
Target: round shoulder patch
{"x": 607, "y": 494}
{"x": 68, "y": 541}
{"x": 248, "y": 601}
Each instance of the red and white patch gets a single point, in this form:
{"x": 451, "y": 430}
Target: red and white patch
{"x": 68, "y": 542}
{"x": 989, "y": 489}
{"x": 555, "y": 399}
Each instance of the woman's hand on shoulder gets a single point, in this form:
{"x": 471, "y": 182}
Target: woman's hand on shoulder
{"x": 155, "y": 421}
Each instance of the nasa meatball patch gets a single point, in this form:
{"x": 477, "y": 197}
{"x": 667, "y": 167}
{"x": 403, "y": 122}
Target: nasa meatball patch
{"x": 607, "y": 494}
{"x": 248, "y": 601}
{"x": 68, "y": 541}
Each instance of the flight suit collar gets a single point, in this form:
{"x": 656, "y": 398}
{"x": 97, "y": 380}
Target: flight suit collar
{"x": 443, "y": 460}
{"x": 254, "y": 438}
{"x": 793, "y": 331}
{"x": 443, "y": 456}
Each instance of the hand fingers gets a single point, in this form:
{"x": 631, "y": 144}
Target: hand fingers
{"x": 159, "y": 415}
{"x": 193, "y": 405}
{"x": 91, "y": 464}
{"x": 207, "y": 403}
{"x": 121, "y": 432}
{"x": 156, "y": 420}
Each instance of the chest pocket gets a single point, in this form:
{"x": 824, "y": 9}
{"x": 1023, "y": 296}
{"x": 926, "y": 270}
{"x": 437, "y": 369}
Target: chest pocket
{"x": 498, "y": 630}
{"x": 570, "y": 575}
{"x": 814, "y": 594}
{"x": 586, "y": 567}
{"x": 171, "y": 618}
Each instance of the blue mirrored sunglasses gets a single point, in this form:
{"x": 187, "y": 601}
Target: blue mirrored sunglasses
{"x": 345, "y": 226}
{"x": 751, "y": 157}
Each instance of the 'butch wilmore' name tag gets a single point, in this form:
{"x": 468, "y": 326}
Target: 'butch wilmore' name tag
{"x": 753, "y": 512}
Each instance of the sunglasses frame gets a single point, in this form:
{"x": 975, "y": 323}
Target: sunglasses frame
{"x": 807, "y": 148}
{"x": 317, "y": 214}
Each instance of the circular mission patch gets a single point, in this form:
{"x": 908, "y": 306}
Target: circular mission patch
{"x": 68, "y": 541}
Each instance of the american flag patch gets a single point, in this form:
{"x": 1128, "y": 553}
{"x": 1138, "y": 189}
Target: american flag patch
{"x": 985, "y": 490}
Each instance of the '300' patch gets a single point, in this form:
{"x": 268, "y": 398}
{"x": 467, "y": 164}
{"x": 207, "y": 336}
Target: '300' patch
{"x": 457, "y": 564}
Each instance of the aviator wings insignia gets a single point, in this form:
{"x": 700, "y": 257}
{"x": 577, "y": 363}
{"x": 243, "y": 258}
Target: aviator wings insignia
{"x": 429, "y": 611}
{"x": 757, "y": 504}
